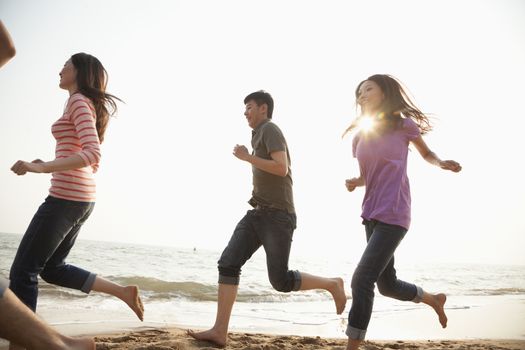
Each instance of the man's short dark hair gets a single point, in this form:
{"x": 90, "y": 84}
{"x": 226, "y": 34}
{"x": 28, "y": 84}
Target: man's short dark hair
{"x": 261, "y": 97}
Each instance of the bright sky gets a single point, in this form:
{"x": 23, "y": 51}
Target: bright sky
{"x": 168, "y": 176}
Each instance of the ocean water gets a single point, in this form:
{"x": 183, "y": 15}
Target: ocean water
{"x": 179, "y": 288}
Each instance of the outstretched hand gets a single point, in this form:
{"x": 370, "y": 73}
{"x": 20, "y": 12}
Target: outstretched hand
{"x": 21, "y": 167}
{"x": 450, "y": 165}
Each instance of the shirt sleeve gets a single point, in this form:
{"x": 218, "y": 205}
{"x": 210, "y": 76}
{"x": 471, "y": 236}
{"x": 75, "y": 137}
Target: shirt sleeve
{"x": 411, "y": 129}
{"x": 84, "y": 118}
{"x": 273, "y": 139}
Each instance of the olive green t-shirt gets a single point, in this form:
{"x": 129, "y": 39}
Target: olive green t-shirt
{"x": 268, "y": 189}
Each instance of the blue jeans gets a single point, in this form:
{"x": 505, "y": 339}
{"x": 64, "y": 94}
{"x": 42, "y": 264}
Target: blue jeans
{"x": 271, "y": 228}
{"x": 44, "y": 248}
{"x": 3, "y": 286}
{"x": 377, "y": 266}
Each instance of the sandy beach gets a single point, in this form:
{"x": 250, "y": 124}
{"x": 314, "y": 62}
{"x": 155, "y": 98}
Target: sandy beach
{"x": 176, "y": 338}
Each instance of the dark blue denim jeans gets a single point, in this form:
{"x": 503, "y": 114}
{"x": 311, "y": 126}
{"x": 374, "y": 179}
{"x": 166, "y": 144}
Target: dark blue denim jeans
{"x": 3, "y": 286}
{"x": 271, "y": 228}
{"x": 377, "y": 266}
{"x": 44, "y": 248}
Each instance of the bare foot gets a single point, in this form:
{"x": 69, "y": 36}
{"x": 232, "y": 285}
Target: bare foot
{"x": 132, "y": 298}
{"x": 79, "y": 343}
{"x": 438, "y": 306}
{"x": 338, "y": 293}
{"x": 210, "y": 335}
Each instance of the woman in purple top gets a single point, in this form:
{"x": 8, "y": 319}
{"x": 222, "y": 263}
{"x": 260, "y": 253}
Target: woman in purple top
{"x": 387, "y": 124}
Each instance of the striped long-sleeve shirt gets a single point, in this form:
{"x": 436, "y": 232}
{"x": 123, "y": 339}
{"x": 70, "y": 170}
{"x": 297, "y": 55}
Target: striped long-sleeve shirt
{"x": 76, "y": 134}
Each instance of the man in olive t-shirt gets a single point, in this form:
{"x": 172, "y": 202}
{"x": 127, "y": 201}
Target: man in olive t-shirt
{"x": 270, "y": 223}
{"x": 271, "y": 190}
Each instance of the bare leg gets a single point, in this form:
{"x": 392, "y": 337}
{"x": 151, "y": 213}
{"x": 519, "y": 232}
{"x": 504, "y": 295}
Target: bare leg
{"x": 353, "y": 344}
{"x": 24, "y": 329}
{"x": 218, "y": 334}
{"x": 437, "y": 302}
{"x": 335, "y": 286}
{"x": 129, "y": 294}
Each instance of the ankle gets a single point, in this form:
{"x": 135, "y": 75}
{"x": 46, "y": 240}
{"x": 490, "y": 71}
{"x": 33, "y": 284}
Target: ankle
{"x": 220, "y": 330}
{"x": 353, "y": 344}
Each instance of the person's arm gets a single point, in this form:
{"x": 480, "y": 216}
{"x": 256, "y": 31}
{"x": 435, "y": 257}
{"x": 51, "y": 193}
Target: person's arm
{"x": 7, "y": 47}
{"x": 278, "y": 165}
{"x": 352, "y": 183}
{"x": 84, "y": 123}
{"x": 432, "y": 158}
{"x": 38, "y": 166}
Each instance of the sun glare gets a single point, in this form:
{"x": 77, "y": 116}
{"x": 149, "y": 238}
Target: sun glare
{"x": 366, "y": 124}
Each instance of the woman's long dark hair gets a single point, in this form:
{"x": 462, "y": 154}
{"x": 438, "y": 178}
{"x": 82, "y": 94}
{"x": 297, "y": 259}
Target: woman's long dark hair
{"x": 396, "y": 105}
{"x": 92, "y": 80}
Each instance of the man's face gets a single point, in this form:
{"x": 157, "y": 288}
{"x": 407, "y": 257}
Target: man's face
{"x": 255, "y": 114}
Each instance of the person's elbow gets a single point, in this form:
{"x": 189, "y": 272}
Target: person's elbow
{"x": 7, "y": 51}
{"x": 282, "y": 170}
{"x": 6, "y": 54}
{"x": 91, "y": 156}
{"x": 10, "y": 51}
{"x": 96, "y": 156}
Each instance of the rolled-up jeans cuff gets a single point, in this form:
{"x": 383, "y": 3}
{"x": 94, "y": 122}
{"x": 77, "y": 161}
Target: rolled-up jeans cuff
{"x": 4, "y": 284}
{"x": 297, "y": 281}
{"x": 355, "y": 333}
{"x": 229, "y": 280}
{"x": 88, "y": 284}
{"x": 419, "y": 295}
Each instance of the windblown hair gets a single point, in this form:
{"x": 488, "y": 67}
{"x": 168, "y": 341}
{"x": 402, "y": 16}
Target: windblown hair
{"x": 261, "y": 97}
{"x": 91, "y": 82}
{"x": 396, "y": 105}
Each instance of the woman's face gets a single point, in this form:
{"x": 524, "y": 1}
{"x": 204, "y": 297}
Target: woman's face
{"x": 68, "y": 76}
{"x": 370, "y": 97}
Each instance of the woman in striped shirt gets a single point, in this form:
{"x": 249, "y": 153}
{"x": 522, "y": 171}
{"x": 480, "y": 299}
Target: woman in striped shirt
{"x": 55, "y": 226}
